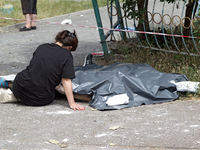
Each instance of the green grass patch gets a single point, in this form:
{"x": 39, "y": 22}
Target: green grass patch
{"x": 46, "y": 9}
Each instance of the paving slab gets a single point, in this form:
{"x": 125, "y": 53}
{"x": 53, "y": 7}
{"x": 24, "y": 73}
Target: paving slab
{"x": 171, "y": 126}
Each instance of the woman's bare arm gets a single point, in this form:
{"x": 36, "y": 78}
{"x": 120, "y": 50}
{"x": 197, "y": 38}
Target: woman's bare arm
{"x": 67, "y": 84}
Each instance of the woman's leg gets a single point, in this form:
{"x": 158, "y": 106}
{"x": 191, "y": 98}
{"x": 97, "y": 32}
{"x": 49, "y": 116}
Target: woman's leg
{"x": 28, "y": 20}
{"x": 34, "y": 14}
{"x": 7, "y": 96}
{"x": 33, "y": 18}
{"x": 4, "y": 83}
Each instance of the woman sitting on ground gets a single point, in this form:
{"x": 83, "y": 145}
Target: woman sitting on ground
{"x": 51, "y": 64}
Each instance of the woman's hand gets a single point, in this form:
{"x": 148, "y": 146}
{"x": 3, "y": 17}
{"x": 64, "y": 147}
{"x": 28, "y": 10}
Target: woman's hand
{"x": 76, "y": 106}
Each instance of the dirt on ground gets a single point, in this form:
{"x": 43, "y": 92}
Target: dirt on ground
{"x": 112, "y": 59}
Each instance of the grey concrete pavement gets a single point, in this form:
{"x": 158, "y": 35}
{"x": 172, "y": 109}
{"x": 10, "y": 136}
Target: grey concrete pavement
{"x": 171, "y": 126}
{"x": 167, "y": 126}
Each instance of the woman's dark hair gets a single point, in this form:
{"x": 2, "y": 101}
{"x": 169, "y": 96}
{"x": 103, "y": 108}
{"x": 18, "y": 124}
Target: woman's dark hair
{"x": 67, "y": 39}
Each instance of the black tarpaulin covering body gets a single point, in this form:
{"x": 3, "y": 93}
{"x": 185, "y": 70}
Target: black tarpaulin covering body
{"x": 142, "y": 84}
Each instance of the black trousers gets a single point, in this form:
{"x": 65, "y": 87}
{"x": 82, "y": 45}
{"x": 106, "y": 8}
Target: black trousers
{"x": 29, "y": 6}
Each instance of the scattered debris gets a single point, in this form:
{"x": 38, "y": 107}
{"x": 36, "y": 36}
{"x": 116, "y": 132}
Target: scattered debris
{"x": 114, "y": 128}
{"x": 66, "y": 21}
{"x": 7, "y": 9}
{"x": 113, "y": 144}
{"x": 93, "y": 109}
{"x": 63, "y": 145}
{"x": 54, "y": 142}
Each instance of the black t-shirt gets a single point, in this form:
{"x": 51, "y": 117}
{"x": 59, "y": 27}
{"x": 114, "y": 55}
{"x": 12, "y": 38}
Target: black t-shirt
{"x": 36, "y": 84}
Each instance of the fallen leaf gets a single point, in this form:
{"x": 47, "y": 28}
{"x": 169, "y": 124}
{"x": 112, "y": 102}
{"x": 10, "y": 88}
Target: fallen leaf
{"x": 63, "y": 145}
{"x": 114, "y": 128}
{"x": 54, "y": 142}
{"x": 113, "y": 144}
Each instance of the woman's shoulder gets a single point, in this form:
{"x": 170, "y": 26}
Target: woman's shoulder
{"x": 54, "y": 48}
{"x": 49, "y": 46}
{"x": 43, "y": 45}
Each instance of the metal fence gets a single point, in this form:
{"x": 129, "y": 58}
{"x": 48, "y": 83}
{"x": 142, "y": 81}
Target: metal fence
{"x": 166, "y": 23}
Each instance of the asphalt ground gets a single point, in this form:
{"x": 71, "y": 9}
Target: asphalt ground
{"x": 17, "y": 47}
{"x": 171, "y": 126}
